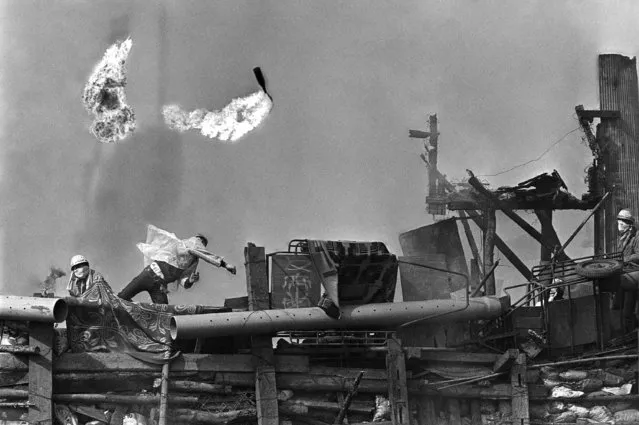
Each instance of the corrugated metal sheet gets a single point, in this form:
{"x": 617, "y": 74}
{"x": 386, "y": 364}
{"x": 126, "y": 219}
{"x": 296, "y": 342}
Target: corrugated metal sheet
{"x": 619, "y": 138}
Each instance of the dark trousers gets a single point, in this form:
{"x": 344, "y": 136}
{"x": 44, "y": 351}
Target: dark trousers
{"x": 147, "y": 281}
{"x": 626, "y": 298}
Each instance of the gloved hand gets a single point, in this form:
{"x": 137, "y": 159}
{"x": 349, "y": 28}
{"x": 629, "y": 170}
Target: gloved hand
{"x": 195, "y": 276}
{"x": 229, "y": 267}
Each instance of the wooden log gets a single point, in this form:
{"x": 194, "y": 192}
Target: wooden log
{"x": 164, "y": 393}
{"x": 449, "y": 356}
{"x": 348, "y": 373}
{"x": 249, "y": 414}
{"x": 200, "y": 387}
{"x": 261, "y": 345}
{"x": 13, "y": 393}
{"x": 41, "y": 373}
{"x": 355, "y": 407}
{"x": 120, "y": 362}
{"x": 122, "y": 399}
{"x": 349, "y": 398}
{"x": 200, "y": 417}
{"x": 19, "y": 349}
{"x": 303, "y": 382}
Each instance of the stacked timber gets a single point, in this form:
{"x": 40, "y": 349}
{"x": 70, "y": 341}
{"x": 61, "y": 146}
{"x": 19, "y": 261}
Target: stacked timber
{"x": 203, "y": 389}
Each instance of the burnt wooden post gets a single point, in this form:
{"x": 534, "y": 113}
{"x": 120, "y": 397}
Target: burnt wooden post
{"x": 454, "y": 411}
{"x": 489, "y": 248}
{"x": 426, "y": 412}
{"x": 397, "y": 386}
{"x": 41, "y": 373}
{"x": 503, "y": 248}
{"x": 618, "y": 139}
{"x": 470, "y": 237}
{"x": 261, "y": 345}
{"x": 475, "y": 412}
{"x": 520, "y": 408}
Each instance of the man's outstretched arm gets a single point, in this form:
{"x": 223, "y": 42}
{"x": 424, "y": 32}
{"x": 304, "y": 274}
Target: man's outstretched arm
{"x": 213, "y": 259}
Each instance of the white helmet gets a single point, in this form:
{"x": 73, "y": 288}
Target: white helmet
{"x": 78, "y": 259}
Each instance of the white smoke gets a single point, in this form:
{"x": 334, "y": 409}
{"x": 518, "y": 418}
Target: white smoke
{"x": 235, "y": 120}
{"x": 104, "y": 96}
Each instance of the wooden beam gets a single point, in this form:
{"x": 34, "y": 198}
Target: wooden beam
{"x": 120, "y": 362}
{"x": 41, "y": 374}
{"x": 506, "y": 360}
{"x": 520, "y": 407}
{"x": 503, "y": 248}
{"x": 454, "y": 411}
{"x": 426, "y": 412}
{"x": 475, "y": 412}
{"x": 397, "y": 385}
{"x": 589, "y": 114}
{"x": 451, "y": 356}
{"x": 261, "y": 345}
{"x": 471, "y": 239}
{"x": 548, "y": 233}
{"x": 489, "y": 249}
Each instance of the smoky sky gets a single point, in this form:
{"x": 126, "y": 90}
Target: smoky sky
{"x": 332, "y": 161}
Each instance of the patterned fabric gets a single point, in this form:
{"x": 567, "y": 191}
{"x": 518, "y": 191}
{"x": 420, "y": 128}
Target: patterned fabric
{"x": 99, "y": 321}
{"x": 77, "y": 286}
{"x": 367, "y": 271}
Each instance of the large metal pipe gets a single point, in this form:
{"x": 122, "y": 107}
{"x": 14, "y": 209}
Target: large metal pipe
{"x": 33, "y": 309}
{"x": 387, "y": 316}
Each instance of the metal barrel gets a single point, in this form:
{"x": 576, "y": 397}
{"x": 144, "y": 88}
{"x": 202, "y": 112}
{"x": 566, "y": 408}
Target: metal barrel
{"x": 33, "y": 309}
{"x": 386, "y": 315}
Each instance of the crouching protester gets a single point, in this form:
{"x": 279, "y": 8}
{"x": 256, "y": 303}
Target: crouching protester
{"x": 83, "y": 277}
{"x": 169, "y": 259}
{"x": 628, "y": 286}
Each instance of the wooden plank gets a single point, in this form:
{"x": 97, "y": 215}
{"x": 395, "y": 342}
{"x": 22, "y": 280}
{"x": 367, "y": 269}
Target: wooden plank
{"x": 489, "y": 249}
{"x": 397, "y": 386}
{"x": 41, "y": 374}
{"x": 451, "y": 356}
{"x": 495, "y": 392}
{"x": 503, "y": 248}
{"x": 348, "y": 373}
{"x": 506, "y": 360}
{"x": 591, "y": 113}
{"x": 471, "y": 239}
{"x": 426, "y": 412}
{"x": 304, "y": 382}
{"x": 261, "y": 345}
{"x": 454, "y": 411}
{"x": 475, "y": 412}
{"x": 520, "y": 407}
{"x": 120, "y": 362}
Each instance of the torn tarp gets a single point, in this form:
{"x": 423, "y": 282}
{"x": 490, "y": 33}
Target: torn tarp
{"x": 99, "y": 321}
{"x": 236, "y": 119}
{"x": 104, "y": 96}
